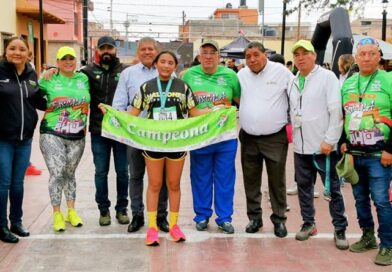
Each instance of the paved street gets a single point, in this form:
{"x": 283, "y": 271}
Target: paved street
{"x": 112, "y": 248}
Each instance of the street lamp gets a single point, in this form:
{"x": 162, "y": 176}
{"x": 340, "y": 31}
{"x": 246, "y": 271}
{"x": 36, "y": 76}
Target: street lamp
{"x": 384, "y": 19}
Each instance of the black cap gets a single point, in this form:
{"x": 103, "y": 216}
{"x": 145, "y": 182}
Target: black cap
{"x": 106, "y": 40}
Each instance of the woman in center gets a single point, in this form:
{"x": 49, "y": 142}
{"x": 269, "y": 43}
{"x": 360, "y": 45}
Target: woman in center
{"x": 164, "y": 98}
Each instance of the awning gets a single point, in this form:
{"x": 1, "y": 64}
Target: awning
{"x": 236, "y": 48}
{"x": 31, "y": 11}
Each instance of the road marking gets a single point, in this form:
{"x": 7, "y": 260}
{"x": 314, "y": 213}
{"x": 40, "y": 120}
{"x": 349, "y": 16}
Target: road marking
{"x": 192, "y": 236}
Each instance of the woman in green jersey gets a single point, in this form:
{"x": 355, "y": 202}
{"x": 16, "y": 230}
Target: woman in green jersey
{"x": 63, "y": 130}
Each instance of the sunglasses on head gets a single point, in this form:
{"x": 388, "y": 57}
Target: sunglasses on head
{"x": 366, "y": 41}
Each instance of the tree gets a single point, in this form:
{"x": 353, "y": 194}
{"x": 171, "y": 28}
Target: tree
{"x": 354, "y": 5}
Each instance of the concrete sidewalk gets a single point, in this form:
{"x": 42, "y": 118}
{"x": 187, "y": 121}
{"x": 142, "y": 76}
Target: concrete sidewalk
{"x": 112, "y": 248}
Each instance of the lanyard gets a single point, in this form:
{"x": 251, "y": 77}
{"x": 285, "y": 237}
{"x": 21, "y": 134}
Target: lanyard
{"x": 361, "y": 94}
{"x": 327, "y": 171}
{"x": 163, "y": 95}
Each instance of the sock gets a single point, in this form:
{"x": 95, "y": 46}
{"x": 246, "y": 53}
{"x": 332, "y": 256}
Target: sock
{"x": 173, "y": 218}
{"x": 152, "y": 220}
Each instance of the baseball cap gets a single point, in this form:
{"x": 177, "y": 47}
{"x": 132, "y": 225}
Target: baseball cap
{"x": 307, "y": 45}
{"x": 345, "y": 169}
{"x": 65, "y": 50}
{"x": 106, "y": 40}
{"x": 210, "y": 42}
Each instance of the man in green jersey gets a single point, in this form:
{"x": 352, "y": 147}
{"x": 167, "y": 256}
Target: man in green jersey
{"x": 367, "y": 103}
{"x": 212, "y": 167}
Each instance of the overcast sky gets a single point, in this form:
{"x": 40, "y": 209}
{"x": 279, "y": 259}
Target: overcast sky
{"x": 149, "y": 17}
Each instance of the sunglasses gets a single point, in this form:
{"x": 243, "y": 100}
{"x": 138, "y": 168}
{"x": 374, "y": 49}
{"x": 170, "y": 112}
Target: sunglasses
{"x": 366, "y": 41}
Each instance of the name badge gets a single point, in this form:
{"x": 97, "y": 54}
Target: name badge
{"x": 355, "y": 121}
{"x": 165, "y": 113}
{"x": 297, "y": 120}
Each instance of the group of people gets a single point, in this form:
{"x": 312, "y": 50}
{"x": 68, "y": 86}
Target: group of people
{"x": 270, "y": 97}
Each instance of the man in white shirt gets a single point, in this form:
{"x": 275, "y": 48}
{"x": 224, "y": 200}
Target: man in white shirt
{"x": 263, "y": 119}
{"x": 316, "y": 115}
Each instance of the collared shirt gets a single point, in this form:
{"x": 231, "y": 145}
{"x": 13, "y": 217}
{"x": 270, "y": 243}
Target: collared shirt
{"x": 264, "y": 103}
{"x": 130, "y": 81}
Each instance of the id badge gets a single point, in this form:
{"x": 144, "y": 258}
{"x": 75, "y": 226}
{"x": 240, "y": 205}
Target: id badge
{"x": 355, "y": 121}
{"x": 297, "y": 120}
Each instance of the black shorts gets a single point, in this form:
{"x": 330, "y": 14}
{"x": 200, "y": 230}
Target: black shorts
{"x": 164, "y": 155}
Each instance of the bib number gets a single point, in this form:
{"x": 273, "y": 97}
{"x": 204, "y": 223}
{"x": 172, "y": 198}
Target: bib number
{"x": 165, "y": 113}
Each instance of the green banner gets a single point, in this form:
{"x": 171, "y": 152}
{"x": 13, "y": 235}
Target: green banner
{"x": 170, "y": 135}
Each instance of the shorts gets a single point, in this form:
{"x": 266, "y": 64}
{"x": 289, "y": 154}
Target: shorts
{"x": 164, "y": 155}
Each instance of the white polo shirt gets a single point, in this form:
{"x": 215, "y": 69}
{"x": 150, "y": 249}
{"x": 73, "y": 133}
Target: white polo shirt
{"x": 264, "y": 103}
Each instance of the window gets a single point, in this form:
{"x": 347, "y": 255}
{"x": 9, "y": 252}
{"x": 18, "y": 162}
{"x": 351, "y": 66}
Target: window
{"x": 366, "y": 23}
{"x": 229, "y": 16}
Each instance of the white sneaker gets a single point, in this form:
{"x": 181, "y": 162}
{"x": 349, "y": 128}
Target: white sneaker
{"x": 316, "y": 194}
{"x": 293, "y": 190}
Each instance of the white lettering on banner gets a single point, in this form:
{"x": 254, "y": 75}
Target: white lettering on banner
{"x": 154, "y": 135}
{"x": 131, "y": 129}
{"x": 165, "y": 137}
{"x": 175, "y": 135}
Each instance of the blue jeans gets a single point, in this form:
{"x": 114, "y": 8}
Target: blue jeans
{"x": 14, "y": 159}
{"x": 374, "y": 182}
{"x": 101, "y": 148}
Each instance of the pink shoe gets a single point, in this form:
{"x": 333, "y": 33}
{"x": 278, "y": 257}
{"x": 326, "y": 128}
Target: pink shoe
{"x": 152, "y": 237}
{"x": 177, "y": 234}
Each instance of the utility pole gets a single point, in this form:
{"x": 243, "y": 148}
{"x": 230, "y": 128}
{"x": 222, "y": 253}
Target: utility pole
{"x": 183, "y": 25}
{"x": 41, "y": 33}
{"x": 85, "y": 29}
{"x": 283, "y": 27}
{"x": 126, "y": 24}
{"x": 111, "y": 16}
{"x": 261, "y": 12}
{"x": 299, "y": 21}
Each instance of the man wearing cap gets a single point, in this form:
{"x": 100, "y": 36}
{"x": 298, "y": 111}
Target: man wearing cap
{"x": 130, "y": 81}
{"x": 103, "y": 77}
{"x": 316, "y": 116}
{"x": 263, "y": 119}
{"x": 212, "y": 167}
{"x": 367, "y": 100}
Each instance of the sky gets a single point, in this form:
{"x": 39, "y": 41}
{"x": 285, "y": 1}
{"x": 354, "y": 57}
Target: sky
{"x": 162, "y": 17}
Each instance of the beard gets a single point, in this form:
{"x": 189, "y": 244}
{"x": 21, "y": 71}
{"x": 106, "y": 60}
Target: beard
{"x": 107, "y": 58}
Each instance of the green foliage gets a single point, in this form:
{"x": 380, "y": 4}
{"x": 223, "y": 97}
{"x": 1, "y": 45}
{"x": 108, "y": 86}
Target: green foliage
{"x": 309, "y": 5}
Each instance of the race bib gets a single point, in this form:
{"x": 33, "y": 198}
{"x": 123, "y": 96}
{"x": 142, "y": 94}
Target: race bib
{"x": 165, "y": 113}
